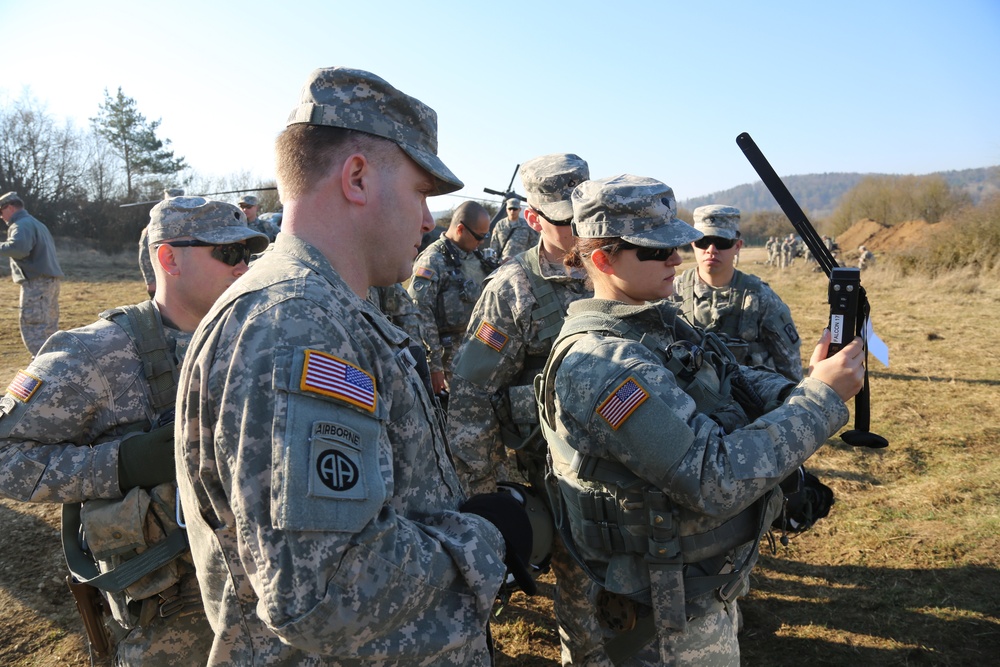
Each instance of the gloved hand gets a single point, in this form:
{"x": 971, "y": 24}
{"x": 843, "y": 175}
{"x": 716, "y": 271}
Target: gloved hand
{"x": 506, "y": 513}
{"x": 146, "y": 458}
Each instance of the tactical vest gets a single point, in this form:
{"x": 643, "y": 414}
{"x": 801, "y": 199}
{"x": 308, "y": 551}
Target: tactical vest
{"x": 515, "y": 407}
{"x": 135, "y": 540}
{"x": 737, "y": 326}
{"x": 602, "y": 508}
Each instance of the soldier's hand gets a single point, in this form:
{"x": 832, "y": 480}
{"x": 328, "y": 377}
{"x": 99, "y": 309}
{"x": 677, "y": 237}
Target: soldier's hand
{"x": 844, "y": 372}
{"x": 146, "y": 459}
{"x": 437, "y": 382}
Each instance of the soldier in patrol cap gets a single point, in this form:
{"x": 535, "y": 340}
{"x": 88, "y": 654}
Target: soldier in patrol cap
{"x": 325, "y": 517}
{"x": 446, "y": 282}
{"x": 512, "y": 235}
{"x": 34, "y": 266}
{"x": 250, "y": 206}
{"x": 90, "y": 421}
{"x": 492, "y": 404}
{"x": 145, "y": 262}
{"x": 739, "y": 307}
{"x": 665, "y": 489}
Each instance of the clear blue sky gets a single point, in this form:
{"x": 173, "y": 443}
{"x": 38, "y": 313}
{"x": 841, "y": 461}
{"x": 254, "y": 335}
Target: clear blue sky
{"x": 656, "y": 89}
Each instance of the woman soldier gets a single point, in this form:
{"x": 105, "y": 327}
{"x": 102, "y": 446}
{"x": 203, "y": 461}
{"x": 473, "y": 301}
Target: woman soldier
{"x": 665, "y": 451}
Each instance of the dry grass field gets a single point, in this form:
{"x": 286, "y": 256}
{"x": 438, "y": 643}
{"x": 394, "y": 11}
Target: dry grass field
{"x": 904, "y": 571}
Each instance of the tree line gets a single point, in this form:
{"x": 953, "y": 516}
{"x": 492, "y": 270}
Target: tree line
{"x": 76, "y": 180}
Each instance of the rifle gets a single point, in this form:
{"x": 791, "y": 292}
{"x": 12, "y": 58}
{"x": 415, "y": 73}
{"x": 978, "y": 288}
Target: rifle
{"x": 849, "y": 307}
{"x": 92, "y": 607}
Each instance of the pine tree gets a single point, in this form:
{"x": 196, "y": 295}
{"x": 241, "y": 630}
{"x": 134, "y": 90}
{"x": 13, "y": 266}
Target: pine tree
{"x": 133, "y": 139}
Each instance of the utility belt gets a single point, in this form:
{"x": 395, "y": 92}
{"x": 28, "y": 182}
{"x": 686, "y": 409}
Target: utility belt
{"x": 129, "y": 550}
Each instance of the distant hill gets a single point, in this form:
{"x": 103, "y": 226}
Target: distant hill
{"x": 819, "y": 194}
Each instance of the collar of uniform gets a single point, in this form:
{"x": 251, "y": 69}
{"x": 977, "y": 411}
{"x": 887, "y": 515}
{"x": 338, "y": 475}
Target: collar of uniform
{"x": 616, "y": 309}
{"x": 557, "y": 271}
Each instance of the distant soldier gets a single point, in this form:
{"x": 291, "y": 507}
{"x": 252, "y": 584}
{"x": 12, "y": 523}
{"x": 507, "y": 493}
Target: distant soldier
{"x": 512, "y": 235}
{"x": 447, "y": 280}
{"x": 772, "y": 251}
{"x": 91, "y": 422}
{"x": 35, "y": 267}
{"x": 788, "y": 251}
{"x": 866, "y": 258}
{"x": 250, "y": 206}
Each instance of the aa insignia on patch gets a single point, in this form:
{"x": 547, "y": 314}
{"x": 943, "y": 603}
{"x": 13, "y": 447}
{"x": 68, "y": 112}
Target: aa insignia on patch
{"x": 622, "y": 402}
{"x": 327, "y": 375}
{"x": 23, "y": 386}
{"x": 491, "y": 336}
{"x": 423, "y": 272}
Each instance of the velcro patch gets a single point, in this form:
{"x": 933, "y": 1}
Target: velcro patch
{"x": 622, "y": 402}
{"x": 23, "y": 386}
{"x": 336, "y": 462}
{"x": 327, "y": 375}
{"x": 792, "y": 334}
{"x": 424, "y": 272}
{"x": 491, "y": 336}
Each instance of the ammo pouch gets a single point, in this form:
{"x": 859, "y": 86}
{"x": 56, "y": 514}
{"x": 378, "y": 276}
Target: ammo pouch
{"x": 135, "y": 542}
{"x": 517, "y": 414}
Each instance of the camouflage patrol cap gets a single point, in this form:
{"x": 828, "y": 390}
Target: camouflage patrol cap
{"x": 354, "y": 99}
{"x": 549, "y": 181}
{"x": 717, "y": 220}
{"x": 173, "y": 192}
{"x": 640, "y": 210}
{"x": 10, "y": 198}
{"x": 203, "y": 219}
{"x": 513, "y": 203}
{"x": 247, "y": 200}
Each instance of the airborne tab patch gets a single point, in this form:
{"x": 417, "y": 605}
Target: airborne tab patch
{"x": 491, "y": 336}
{"x": 622, "y": 402}
{"x": 23, "y": 386}
{"x": 327, "y": 375}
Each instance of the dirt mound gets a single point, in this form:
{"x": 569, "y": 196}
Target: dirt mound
{"x": 879, "y": 237}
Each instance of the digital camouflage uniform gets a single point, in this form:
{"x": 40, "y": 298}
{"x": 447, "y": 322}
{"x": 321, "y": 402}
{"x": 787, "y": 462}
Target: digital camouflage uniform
{"x": 320, "y": 500}
{"x": 145, "y": 260}
{"x": 34, "y": 266}
{"x": 512, "y": 238}
{"x": 492, "y": 405}
{"x": 749, "y": 310}
{"x": 615, "y": 400}
{"x": 631, "y": 395}
{"x": 399, "y": 308}
{"x": 445, "y": 285}
{"x": 61, "y": 422}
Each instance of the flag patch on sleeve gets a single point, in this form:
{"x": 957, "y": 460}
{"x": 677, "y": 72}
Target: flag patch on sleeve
{"x": 622, "y": 402}
{"x": 327, "y": 375}
{"x": 23, "y": 386}
{"x": 423, "y": 272}
{"x": 491, "y": 336}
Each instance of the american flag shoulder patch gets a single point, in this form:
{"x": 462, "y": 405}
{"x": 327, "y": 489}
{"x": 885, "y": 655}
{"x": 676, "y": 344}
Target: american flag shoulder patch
{"x": 327, "y": 375}
{"x": 491, "y": 336}
{"x": 23, "y": 386}
{"x": 424, "y": 272}
{"x": 622, "y": 402}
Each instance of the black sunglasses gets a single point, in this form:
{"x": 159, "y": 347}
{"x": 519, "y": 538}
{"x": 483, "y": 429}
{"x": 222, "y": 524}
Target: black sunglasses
{"x": 644, "y": 254}
{"x": 557, "y": 223}
{"x": 229, "y": 254}
{"x": 719, "y": 243}
{"x": 478, "y": 237}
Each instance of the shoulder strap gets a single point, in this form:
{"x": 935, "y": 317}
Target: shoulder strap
{"x": 144, "y": 327}
{"x": 548, "y": 309}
